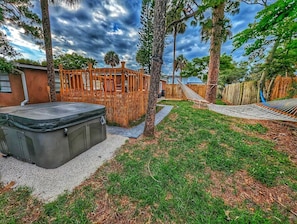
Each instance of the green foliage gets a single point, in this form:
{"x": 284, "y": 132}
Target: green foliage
{"x": 284, "y": 61}
{"x": 145, "y": 45}
{"x": 196, "y": 67}
{"x": 18, "y": 13}
{"x": 111, "y": 58}
{"x": 5, "y": 66}
{"x": 206, "y": 22}
{"x": 276, "y": 22}
{"x": 73, "y": 61}
{"x": 143, "y": 57}
{"x": 230, "y": 71}
{"x": 292, "y": 90}
{"x": 180, "y": 63}
{"x": 6, "y": 50}
{"x": 27, "y": 61}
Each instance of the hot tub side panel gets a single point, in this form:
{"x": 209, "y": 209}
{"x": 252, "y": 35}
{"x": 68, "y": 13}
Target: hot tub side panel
{"x": 53, "y": 149}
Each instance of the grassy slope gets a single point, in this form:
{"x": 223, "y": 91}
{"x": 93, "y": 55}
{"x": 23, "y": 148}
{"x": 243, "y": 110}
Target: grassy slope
{"x": 167, "y": 179}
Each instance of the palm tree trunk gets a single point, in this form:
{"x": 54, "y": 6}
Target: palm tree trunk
{"x": 157, "y": 61}
{"x": 48, "y": 48}
{"x": 215, "y": 52}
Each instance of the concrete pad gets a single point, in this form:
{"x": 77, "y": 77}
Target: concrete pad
{"x": 47, "y": 184}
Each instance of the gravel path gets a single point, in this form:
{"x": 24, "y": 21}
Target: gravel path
{"x": 47, "y": 184}
{"x": 136, "y": 131}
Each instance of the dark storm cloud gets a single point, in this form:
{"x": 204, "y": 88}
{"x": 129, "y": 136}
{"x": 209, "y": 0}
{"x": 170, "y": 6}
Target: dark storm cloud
{"x": 95, "y": 27}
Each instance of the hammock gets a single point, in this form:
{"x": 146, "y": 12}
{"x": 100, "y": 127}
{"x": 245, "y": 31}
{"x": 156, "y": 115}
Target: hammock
{"x": 193, "y": 96}
{"x": 282, "y": 110}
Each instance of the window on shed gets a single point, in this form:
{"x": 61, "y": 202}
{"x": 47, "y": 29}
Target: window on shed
{"x": 4, "y": 83}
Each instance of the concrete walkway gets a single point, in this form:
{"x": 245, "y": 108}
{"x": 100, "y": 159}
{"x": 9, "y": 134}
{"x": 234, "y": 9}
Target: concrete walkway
{"x": 136, "y": 131}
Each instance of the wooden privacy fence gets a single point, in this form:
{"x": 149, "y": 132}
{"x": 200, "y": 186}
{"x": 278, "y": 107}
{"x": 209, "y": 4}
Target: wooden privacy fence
{"x": 281, "y": 87}
{"x": 248, "y": 92}
{"x": 241, "y": 93}
{"x": 174, "y": 91}
{"x": 124, "y": 92}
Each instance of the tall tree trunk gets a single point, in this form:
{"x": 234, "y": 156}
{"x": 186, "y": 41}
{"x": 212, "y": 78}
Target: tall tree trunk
{"x": 174, "y": 51}
{"x": 48, "y": 48}
{"x": 157, "y": 61}
{"x": 215, "y": 52}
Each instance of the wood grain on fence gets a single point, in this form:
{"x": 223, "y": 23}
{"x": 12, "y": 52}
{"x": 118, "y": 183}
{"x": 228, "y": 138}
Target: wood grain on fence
{"x": 281, "y": 87}
{"x": 174, "y": 91}
{"x": 248, "y": 92}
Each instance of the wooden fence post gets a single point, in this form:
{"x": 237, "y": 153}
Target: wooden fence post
{"x": 142, "y": 104}
{"x": 90, "y": 68}
{"x": 62, "y": 79}
{"x": 123, "y": 76}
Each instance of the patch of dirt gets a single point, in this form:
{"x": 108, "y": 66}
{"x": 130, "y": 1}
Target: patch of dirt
{"x": 237, "y": 188}
{"x": 173, "y": 116}
{"x": 123, "y": 211}
{"x": 7, "y": 187}
{"x": 285, "y": 137}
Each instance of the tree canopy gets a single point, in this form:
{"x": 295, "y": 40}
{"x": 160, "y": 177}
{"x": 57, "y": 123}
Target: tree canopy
{"x": 271, "y": 41}
{"x": 73, "y": 61}
{"x": 276, "y": 22}
{"x": 16, "y": 13}
{"x": 230, "y": 71}
{"x": 145, "y": 45}
{"x": 111, "y": 58}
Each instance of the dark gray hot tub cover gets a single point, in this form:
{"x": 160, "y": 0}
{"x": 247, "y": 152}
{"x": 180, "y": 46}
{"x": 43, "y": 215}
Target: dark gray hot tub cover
{"x": 47, "y": 117}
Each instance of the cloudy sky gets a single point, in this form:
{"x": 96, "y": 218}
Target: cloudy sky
{"x": 93, "y": 28}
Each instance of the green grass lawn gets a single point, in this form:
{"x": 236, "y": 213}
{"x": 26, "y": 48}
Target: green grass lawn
{"x": 202, "y": 167}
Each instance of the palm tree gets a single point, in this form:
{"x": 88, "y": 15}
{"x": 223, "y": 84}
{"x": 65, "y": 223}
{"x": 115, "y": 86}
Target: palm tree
{"x": 219, "y": 29}
{"x": 111, "y": 58}
{"x": 48, "y": 45}
{"x": 215, "y": 52}
{"x": 177, "y": 28}
{"x": 180, "y": 64}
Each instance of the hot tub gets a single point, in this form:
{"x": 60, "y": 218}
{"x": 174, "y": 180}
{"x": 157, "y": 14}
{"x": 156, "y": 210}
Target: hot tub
{"x": 50, "y": 134}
